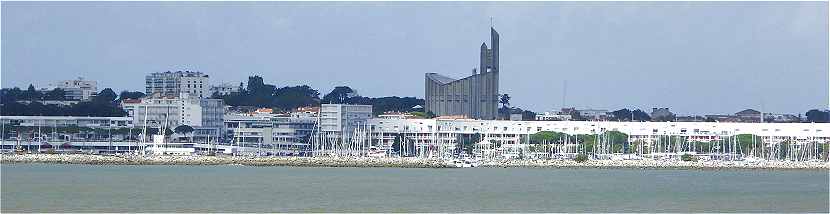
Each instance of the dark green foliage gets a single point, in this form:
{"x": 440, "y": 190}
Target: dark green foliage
{"x": 505, "y": 112}
{"x": 622, "y": 115}
{"x": 468, "y": 143}
{"x": 397, "y": 146}
{"x": 575, "y": 115}
{"x": 340, "y": 95}
{"x": 745, "y": 142}
{"x": 183, "y": 129}
{"x": 581, "y": 158}
{"x": 546, "y": 136}
{"x": 55, "y": 94}
{"x": 287, "y": 98}
{"x": 31, "y": 93}
{"x": 8, "y": 95}
{"x": 105, "y": 96}
{"x": 504, "y": 99}
{"x": 90, "y": 109}
{"x": 688, "y": 157}
{"x": 399, "y": 104}
{"x": 640, "y": 115}
{"x": 259, "y": 94}
{"x": 130, "y": 95}
{"x": 152, "y": 131}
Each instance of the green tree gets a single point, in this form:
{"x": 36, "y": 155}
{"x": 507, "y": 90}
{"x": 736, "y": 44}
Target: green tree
{"x": 296, "y": 96}
{"x": 622, "y": 114}
{"x": 640, "y": 115}
{"x": 10, "y": 95}
{"x": 183, "y": 129}
{"x": 688, "y": 157}
{"x": 32, "y": 94}
{"x": 504, "y": 100}
{"x": 55, "y": 94}
{"x": 105, "y": 96}
{"x": 618, "y": 141}
{"x": 130, "y": 95}
{"x": 339, "y": 95}
{"x": 581, "y": 158}
{"x": 546, "y": 136}
{"x": 745, "y": 142}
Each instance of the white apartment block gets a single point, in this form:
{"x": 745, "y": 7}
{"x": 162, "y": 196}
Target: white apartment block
{"x": 343, "y": 118}
{"x": 176, "y": 83}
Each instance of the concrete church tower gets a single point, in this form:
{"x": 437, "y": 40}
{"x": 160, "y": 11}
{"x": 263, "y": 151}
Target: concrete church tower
{"x": 474, "y": 97}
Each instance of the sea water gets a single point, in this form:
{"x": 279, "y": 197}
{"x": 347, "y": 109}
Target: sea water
{"x": 87, "y": 188}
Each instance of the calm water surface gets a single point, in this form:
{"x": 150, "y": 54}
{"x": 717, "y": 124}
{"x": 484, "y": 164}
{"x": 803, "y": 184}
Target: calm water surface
{"x": 82, "y": 188}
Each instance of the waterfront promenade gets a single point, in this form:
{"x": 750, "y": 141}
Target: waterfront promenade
{"x": 395, "y": 162}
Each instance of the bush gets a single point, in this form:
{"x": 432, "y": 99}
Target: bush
{"x": 581, "y": 158}
{"x": 688, "y": 157}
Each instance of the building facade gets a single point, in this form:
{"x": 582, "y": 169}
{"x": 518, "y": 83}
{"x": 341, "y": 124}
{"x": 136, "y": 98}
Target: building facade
{"x": 204, "y": 115}
{"x": 175, "y": 83}
{"x": 473, "y": 97}
{"x": 342, "y": 118}
{"x": 78, "y": 89}
{"x": 50, "y": 122}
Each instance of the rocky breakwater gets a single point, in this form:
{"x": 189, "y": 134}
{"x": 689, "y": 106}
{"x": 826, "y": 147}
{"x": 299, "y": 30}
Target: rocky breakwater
{"x": 659, "y": 164}
{"x": 223, "y": 160}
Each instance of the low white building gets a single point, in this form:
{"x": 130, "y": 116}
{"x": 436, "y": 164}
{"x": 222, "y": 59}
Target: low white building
{"x": 78, "y": 89}
{"x": 48, "y": 122}
{"x": 270, "y": 132}
{"x": 553, "y": 116}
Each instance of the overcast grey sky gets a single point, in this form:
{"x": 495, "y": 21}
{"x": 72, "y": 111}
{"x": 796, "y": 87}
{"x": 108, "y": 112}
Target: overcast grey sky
{"x": 695, "y": 57}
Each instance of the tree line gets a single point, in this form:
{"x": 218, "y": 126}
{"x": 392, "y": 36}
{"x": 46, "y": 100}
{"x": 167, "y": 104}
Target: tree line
{"x": 17, "y": 102}
{"x": 259, "y": 94}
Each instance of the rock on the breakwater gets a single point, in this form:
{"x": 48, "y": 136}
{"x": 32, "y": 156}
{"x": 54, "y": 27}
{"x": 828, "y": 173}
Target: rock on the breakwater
{"x": 223, "y": 160}
{"x": 392, "y": 162}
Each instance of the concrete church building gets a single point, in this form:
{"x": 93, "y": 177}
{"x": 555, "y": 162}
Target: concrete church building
{"x": 474, "y": 97}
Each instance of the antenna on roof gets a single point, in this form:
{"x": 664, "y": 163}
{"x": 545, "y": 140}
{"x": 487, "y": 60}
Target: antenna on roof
{"x": 491, "y": 22}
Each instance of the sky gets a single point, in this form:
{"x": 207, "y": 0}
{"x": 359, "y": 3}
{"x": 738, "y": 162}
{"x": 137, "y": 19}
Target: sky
{"x": 693, "y": 57}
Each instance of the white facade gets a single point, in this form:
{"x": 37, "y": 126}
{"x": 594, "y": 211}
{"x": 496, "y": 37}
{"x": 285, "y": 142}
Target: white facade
{"x": 48, "y": 122}
{"x": 175, "y": 83}
{"x": 286, "y": 132}
{"x": 204, "y": 115}
{"x": 553, "y": 116}
{"x": 79, "y": 89}
{"x": 342, "y": 117}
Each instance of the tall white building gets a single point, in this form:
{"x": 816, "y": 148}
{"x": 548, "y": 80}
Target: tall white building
{"x": 342, "y": 118}
{"x": 78, "y": 89}
{"x": 177, "y": 83}
{"x": 204, "y": 115}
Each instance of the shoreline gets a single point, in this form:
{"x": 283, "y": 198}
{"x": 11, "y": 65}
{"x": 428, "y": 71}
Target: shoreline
{"x": 370, "y": 162}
